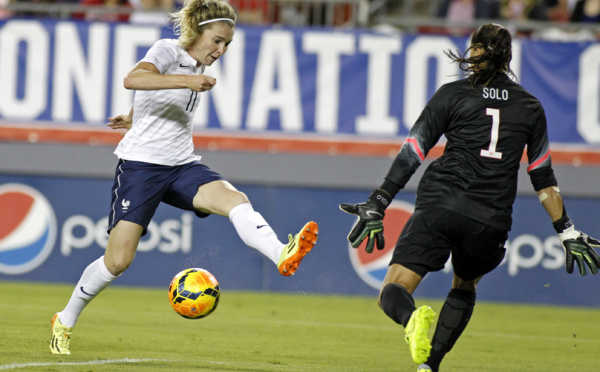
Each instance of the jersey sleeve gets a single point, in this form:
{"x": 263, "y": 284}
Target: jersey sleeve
{"x": 162, "y": 54}
{"x": 538, "y": 153}
{"x": 426, "y": 132}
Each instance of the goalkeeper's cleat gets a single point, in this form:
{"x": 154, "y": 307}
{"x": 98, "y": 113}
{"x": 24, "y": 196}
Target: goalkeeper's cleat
{"x": 416, "y": 334}
{"x": 297, "y": 248}
{"x": 424, "y": 368}
{"x": 60, "y": 343}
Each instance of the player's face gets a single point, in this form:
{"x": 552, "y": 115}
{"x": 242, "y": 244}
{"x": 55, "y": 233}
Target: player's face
{"x": 213, "y": 43}
{"x": 476, "y": 51}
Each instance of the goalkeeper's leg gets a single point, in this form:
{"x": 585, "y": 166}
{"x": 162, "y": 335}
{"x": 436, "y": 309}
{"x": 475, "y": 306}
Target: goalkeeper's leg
{"x": 453, "y": 320}
{"x": 397, "y": 302}
{"x": 395, "y": 298}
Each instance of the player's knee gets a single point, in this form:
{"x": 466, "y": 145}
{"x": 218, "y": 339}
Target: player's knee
{"x": 117, "y": 264}
{"x": 117, "y": 267}
{"x": 239, "y": 197}
{"x": 219, "y": 203}
{"x": 465, "y": 285}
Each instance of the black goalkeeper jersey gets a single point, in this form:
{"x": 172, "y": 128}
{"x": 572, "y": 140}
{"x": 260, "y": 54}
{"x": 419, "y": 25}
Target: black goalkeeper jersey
{"x": 487, "y": 130}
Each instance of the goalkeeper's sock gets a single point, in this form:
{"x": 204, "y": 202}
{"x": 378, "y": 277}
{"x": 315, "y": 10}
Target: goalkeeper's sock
{"x": 453, "y": 320}
{"x": 94, "y": 279}
{"x": 255, "y": 232}
{"x": 397, "y": 303}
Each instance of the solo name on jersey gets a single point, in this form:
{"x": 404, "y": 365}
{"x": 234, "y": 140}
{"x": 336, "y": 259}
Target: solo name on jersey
{"x": 495, "y": 93}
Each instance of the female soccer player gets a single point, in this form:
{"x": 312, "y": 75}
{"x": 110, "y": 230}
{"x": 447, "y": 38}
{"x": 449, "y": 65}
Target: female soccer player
{"x": 465, "y": 197}
{"x": 157, "y": 162}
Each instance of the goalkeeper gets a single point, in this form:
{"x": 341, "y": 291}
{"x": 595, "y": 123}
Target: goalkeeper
{"x": 465, "y": 197}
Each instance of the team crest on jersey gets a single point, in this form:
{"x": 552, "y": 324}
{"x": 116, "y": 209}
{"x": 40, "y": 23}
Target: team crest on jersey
{"x": 27, "y": 228}
{"x": 371, "y": 267}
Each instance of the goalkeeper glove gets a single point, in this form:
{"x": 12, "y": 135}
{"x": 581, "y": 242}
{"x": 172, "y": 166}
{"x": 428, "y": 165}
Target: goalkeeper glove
{"x": 370, "y": 220}
{"x": 578, "y": 246}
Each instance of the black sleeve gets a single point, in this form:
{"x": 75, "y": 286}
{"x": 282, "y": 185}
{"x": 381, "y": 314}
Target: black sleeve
{"x": 426, "y": 132}
{"x": 542, "y": 178}
{"x": 538, "y": 152}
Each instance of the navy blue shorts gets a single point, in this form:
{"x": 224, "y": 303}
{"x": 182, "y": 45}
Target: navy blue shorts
{"x": 140, "y": 187}
{"x": 430, "y": 235}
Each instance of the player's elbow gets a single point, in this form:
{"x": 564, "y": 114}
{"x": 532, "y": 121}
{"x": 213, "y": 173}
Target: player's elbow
{"x": 128, "y": 82}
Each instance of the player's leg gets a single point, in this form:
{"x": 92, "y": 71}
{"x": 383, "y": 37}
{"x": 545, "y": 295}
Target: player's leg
{"x": 454, "y": 318}
{"x": 198, "y": 188}
{"x": 421, "y": 248}
{"x": 122, "y": 246}
{"x": 120, "y": 251}
{"x": 397, "y": 302}
{"x": 132, "y": 208}
{"x": 479, "y": 250}
{"x": 222, "y": 198}
{"x": 395, "y": 297}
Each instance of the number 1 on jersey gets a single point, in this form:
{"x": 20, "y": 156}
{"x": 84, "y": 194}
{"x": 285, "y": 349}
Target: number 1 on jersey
{"x": 491, "y": 151}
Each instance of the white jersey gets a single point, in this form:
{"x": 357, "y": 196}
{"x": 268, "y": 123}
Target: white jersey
{"x": 162, "y": 119}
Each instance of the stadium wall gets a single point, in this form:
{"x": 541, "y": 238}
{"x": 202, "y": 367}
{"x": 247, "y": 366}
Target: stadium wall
{"x": 290, "y": 150}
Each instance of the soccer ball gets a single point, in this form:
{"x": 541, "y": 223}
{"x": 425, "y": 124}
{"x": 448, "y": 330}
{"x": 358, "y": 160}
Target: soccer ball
{"x": 194, "y": 293}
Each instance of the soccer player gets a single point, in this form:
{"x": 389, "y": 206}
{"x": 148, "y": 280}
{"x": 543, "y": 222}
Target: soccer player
{"x": 157, "y": 161}
{"x": 465, "y": 197}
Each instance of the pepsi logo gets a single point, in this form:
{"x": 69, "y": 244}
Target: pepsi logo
{"x": 371, "y": 267}
{"x": 27, "y": 228}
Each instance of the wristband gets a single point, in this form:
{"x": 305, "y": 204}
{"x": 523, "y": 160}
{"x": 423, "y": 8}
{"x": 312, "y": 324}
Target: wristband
{"x": 381, "y": 198}
{"x": 562, "y": 223}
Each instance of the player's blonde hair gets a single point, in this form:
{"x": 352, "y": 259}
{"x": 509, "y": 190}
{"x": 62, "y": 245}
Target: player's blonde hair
{"x": 186, "y": 21}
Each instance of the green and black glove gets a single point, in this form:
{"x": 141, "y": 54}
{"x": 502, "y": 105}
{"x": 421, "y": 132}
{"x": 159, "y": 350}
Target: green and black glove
{"x": 370, "y": 220}
{"x": 578, "y": 246}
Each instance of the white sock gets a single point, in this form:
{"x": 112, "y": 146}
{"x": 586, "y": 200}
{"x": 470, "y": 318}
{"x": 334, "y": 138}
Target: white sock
{"x": 255, "y": 231}
{"x": 94, "y": 279}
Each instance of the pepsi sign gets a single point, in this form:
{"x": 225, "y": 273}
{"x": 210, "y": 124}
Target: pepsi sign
{"x": 27, "y": 228}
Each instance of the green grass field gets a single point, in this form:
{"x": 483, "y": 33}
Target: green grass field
{"x": 133, "y": 329}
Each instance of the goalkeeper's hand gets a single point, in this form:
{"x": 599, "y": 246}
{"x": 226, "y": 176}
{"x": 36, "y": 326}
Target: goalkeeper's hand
{"x": 579, "y": 248}
{"x": 370, "y": 220}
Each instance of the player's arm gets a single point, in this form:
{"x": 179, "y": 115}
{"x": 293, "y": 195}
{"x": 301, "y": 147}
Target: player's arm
{"x": 146, "y": 76}
{"x": 578, "y": 246}
{"x": 422, "y": 137}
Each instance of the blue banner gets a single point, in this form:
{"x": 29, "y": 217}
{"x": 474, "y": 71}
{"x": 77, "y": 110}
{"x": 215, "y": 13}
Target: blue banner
{"x": 357, "y": 83}
{"x": 47, "y": 234}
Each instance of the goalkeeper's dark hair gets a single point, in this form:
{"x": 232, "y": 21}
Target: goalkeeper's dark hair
{"x": 495, "y": 41}
{"x": 186, "y": 20}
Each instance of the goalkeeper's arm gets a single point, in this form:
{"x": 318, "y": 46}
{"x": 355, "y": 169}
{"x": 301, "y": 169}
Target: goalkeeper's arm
{"x": 578, "y": 246}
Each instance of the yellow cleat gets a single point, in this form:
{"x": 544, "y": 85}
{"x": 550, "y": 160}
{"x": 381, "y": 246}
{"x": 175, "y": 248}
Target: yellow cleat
{"x": 416, "y": 334}
{"x": 60, "y": 343}
{"x": 297, "y": 248}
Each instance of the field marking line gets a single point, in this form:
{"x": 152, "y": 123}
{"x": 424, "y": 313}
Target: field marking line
{"x": 95, "y": 362}
{"x": 132, "y": 360}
